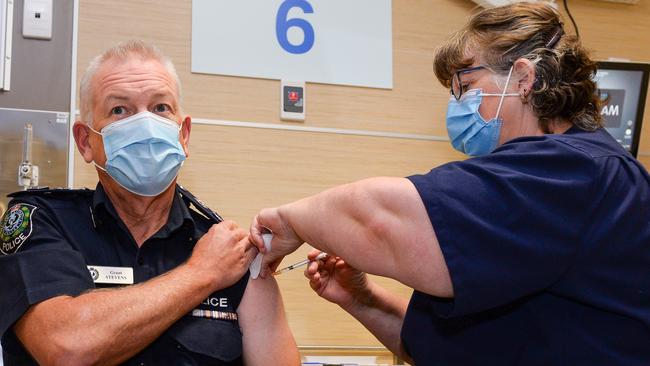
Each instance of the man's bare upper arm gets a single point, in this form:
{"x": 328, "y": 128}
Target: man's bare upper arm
{"x": 266, "y": 333}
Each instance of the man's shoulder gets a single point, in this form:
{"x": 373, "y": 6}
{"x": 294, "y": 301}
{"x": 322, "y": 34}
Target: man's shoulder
{"x": 52, "y": 197}
{"x": 193, "y": 202}
{"x": 28, "y": 209}
{"x": 59, "y": 192}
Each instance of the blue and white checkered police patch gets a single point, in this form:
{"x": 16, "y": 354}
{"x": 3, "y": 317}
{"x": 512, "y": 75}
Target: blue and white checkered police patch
{"x": 15, "y": 227}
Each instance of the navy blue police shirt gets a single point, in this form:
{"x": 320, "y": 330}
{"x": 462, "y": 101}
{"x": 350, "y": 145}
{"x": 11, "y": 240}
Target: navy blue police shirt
{"x": 58, "y": 242}
{"x": 547, "y": 241}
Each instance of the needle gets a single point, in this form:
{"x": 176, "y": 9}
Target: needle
{"x": 299, "y": 264}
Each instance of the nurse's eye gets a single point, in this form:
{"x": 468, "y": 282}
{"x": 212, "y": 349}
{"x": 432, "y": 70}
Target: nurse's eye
{"x": 118, "y": 111}
{"x": 162, "y": 108}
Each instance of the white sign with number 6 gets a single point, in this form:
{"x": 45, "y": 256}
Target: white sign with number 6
{"x": 346, "y": 42}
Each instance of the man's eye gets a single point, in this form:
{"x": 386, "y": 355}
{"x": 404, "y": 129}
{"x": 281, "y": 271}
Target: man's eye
{"x": 118, "y": 110}
{"x": 161, "y": 108}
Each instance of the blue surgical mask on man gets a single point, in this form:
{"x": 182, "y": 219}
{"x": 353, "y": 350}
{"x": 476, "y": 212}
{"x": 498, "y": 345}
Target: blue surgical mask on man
{"x": 143, "y": 153}
{"x": 468, "y": 131}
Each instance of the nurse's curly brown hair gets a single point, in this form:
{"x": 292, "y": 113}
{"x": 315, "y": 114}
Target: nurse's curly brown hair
{"x": 564, "y": 87}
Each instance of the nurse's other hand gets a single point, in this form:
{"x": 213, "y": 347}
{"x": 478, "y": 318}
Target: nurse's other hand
{"x": 335, "y": 281}
{"x": 285, "y": 240}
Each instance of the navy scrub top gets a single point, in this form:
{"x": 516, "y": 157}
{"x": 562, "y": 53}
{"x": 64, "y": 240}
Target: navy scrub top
{"x": 51, "y": 239}
{"x": 547, "y": 241}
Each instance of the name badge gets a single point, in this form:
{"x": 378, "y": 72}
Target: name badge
{"x": 111, "y": 275}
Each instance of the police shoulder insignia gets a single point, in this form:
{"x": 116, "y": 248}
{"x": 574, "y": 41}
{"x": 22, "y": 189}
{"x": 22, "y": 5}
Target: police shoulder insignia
{"x": 15, "y": 227}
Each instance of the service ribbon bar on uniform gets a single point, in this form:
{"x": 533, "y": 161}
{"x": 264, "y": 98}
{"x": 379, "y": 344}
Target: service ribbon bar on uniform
{"x": 214, "y": 314}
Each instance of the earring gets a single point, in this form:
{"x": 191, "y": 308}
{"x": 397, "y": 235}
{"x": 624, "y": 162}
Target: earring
{"x": 524, "y": 99}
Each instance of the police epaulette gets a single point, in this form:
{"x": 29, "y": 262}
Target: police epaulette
{"x": 189, "y": 198}
{"x": 50, "y": 191}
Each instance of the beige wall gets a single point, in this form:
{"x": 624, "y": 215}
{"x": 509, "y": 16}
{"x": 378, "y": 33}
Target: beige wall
{"x": 239, "y": 170}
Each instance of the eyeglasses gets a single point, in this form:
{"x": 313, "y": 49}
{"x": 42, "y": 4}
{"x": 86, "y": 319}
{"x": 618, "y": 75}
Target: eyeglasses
{"x": 457, "y": 86}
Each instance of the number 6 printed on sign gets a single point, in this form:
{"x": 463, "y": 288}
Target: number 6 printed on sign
{"x": 338, "y": 42}
{"x": 282, "y": 25}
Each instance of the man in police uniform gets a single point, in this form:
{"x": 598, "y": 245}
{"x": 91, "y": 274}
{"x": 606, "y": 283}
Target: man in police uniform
{"x": 131, "y": 272}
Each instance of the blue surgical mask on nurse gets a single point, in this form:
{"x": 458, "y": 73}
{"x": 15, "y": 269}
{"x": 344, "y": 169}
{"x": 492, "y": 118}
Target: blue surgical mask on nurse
{"x": 468, "y": 131}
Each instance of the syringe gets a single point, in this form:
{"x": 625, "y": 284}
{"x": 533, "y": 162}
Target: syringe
{"x": 299, "y": 264}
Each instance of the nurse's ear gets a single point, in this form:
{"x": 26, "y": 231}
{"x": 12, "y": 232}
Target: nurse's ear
{"x": 523, "y": 74}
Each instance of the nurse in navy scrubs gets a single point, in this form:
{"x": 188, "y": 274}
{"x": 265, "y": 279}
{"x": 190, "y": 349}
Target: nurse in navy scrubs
{"x": 534, "y": 251}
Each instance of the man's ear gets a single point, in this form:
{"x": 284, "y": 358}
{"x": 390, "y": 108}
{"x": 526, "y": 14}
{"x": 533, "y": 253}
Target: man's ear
{"x": 185, "y": 135}
{"x": 524, "y": 75}
{"x": 81, "y": 133}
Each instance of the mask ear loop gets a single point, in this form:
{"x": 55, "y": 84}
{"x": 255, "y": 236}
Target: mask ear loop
{"x": 100, "y": 134}
{"x": 503, "y": 93}
{"x": 92, "y": 129}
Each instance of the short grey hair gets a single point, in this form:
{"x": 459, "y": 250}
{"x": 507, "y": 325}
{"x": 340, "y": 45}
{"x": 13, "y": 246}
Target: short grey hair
{"x": 121, "y": 51}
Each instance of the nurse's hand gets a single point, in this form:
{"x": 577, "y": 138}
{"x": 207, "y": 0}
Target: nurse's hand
{"x": 285, "y": 240}
{"x": 335, "y": 281}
